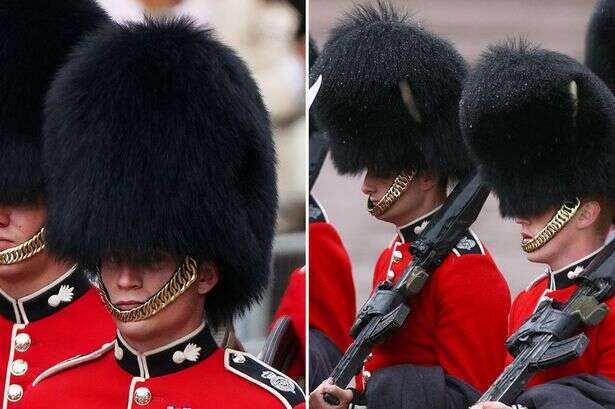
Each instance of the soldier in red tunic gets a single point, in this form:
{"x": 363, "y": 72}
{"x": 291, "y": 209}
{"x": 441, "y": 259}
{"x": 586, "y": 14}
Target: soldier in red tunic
{"x": 542, "y": 127}
{"x": 42, "y": 300}
{"x": 161, "y": 168}
{"x": 388, "y": 101}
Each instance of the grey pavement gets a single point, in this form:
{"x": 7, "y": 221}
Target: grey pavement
{"x": 471, "y": 25}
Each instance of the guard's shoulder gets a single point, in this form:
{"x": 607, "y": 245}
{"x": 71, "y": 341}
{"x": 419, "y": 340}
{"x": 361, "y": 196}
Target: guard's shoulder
{"x": 469, "y": 244}
{"x": 536, "y": 281}
{"x": 74, "y": 362}
{"x": 275, "y": 382}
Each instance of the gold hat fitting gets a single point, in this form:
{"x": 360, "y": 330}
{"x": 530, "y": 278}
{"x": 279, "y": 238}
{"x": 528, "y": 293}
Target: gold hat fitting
{"x": 555, "y": 225}
{"x": 397, "y": 188}
{"x": 25, "y": 250}
{"x": 185, "y": 275}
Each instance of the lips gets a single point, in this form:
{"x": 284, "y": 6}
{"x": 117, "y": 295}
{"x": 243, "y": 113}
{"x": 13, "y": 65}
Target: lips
{"x": 5, "y": 244}
{"x": 525, "y": 237}
{"x": 127, "y": 305}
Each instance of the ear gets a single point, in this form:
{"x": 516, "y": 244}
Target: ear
{"x": 588, "y": 214}
{"x": 427, "y": 180}
{"x": 208, "y": 277}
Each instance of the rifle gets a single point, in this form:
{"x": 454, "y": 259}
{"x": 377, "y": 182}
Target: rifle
{"x": 547, "y": 337}
{"x": 387, "y": 308}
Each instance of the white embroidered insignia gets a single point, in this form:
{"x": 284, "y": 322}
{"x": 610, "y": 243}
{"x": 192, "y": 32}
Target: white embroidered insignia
{"x": 466, "y": 244}
{"x": 191, "y": 353}
{"x": 64, "y": 295}
{"x": 572, "y": 274}
{"x": 279, "y": 382}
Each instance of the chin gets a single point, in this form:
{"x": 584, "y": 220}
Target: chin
{"x": 539, "y": 256}
{"x": 137, "y": 330}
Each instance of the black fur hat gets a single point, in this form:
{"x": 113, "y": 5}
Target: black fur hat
{"x": 35, "y": 38}
{"x": 541, "y": 126}
{"x": 157, "y": 142}
{"x": 600, "y": 42}
{"x": 390, "y": 94}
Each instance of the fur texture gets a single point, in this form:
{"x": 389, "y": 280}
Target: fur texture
{"x": 157, "y": 142}
{"x": 600, "y": 42}
{"x": 535, "y": 145}
{"x": 360, "y": 105}
{"x": 35, "y": 37}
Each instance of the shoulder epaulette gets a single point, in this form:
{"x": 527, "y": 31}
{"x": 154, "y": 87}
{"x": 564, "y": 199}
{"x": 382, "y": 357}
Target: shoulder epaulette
{"x": 469, "y": 244}
{"x": 74, "y": 361}
{"x": 261, "y": 374}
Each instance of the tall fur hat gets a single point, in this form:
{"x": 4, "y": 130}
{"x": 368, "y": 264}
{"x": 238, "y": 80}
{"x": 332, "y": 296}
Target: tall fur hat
{"x": 390, "y": 94}
{"x": 157, "y": 142}
{"x": 600, "y": 42}
{"x": 541, "y": 126}
{"x": 35, "y": 38}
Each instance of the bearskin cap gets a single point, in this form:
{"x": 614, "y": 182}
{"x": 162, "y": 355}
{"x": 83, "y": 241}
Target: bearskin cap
{"x": 36, "y": 36}
{"x": 157, "y": 141}
{"x": 600, "y": 42}
{"x": 390, "y": 95}
{"x": 541, "y": 127}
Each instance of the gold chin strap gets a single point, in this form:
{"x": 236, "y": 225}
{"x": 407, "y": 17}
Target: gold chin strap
{"x": 399, "y": 186}
{"x": 555, "y": 225}
{"x": 185, "y": 275}
{"x": 24, "y": 251}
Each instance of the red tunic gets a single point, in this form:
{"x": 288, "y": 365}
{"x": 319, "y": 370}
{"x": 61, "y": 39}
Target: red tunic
{"x": 191, "y": 372}
{"x": 53, "y": 324}
{"x": 462, "y": 310}
{"x": 292, "y": 305}
{"x": 332, "y": 294}
{"x": 599, "y": 357}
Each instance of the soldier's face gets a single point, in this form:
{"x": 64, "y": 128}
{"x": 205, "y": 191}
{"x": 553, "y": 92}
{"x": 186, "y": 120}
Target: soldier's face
{"x": 409, "y": 206}
{"x": 531, "y": 226}
{"x": 129, "y": 286}
{"x": 17, "y": 225}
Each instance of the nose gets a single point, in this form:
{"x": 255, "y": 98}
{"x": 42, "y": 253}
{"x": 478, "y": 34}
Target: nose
{"x": 128, "y": 277}
{"x": 368, "y": 187}
{"x": 4, "y": 217}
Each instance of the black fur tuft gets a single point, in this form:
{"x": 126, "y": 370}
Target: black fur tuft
{"x": 360, "y": 104}
{"x": 157, "y": 142}
{"x": 535, "y": 145}
{"x": 35, "y": 38}
{"x": 600, "y": 42}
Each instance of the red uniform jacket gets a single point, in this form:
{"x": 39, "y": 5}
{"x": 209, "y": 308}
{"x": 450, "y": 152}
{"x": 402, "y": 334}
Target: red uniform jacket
{"x": 332, "y": 294}
{"x": 191, "y": 372}
{"x": 57, "y": 322}
{"x": 458, "y": 322}
{"x": 292, "y": 305}
{"x": 599, "y": 357}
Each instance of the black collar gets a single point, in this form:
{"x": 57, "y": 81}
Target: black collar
{"x": 409, "y": 232}
{"x": 180, "y": 354}
{"x": 46, "y": 301}
{"x": 564, "y": 277}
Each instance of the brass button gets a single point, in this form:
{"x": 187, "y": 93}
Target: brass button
{"x": 22, "y": 342}
{"x": 366, "y": 376}
{"x": 397, "y": 256}
{"x": 19, "y": 367}
{"x": 390, "y": 275}
{"x": 143, "y": 396}
{"x": 14, "y": 393}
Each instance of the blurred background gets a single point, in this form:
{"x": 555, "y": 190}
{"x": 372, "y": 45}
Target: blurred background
{"x": 269, "y": 35}
{"x": 471, "y": 25}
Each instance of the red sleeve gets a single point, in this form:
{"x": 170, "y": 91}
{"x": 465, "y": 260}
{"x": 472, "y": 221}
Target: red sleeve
{"x": 474, "y": 302}
{"x": 606, "y": 344}
{"x": 332, "y": 294}
{"x": 293, "y": 306}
